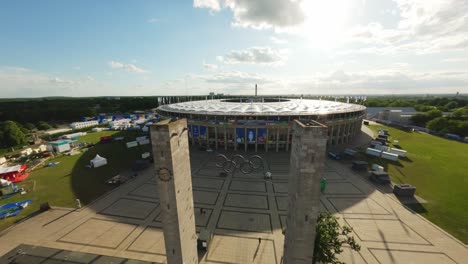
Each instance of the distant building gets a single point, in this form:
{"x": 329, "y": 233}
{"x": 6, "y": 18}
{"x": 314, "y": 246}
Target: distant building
{"x": 121, "y": 124}
{"x": 59, "y": 145}
{"x": 399, "y": 115}
{"x": 74, "y": 135}
{"x": 79, "y": 125}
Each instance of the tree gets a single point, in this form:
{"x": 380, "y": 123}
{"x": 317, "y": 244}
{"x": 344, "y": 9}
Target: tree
{"x": 460, "y": 114}
{"x": 439, "y": 124}
{"x": 330, "y": 238}
{"x": 29, "y": 126}
{"x": 10, "y": 134}
{"x": 419, "y": 119}
{"x": 434, "y": 113}
{"x": 42, "y": 125}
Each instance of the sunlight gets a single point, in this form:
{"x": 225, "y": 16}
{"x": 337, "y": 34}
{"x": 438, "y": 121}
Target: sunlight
{"x": 325, "y": 21}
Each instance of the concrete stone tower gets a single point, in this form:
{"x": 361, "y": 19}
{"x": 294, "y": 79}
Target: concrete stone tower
{"x": 307, "y": 165}
{"x": 172, "y": 167}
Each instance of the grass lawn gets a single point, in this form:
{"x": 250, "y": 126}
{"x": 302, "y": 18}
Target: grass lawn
{"x": 61, "y": 185}
{"x": 439, "y": 169}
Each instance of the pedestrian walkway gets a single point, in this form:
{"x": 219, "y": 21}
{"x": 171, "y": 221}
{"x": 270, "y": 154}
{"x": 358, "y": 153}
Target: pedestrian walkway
{"x": 246, "y": 214}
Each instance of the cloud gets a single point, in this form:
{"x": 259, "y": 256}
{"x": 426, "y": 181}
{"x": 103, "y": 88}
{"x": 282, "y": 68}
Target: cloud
{"x": 255, "y": 55}
{"x": 152, "y": 20}
{"x": 424, "y": 27}
{"x": 213, "y": 5}
{"x": 127, "y": 67}
{"x": 56, "y": 79}
{"x": 276, "y": 40}
{"x": 259, "y": 14}
{"x": 210, "y": 67}
{"x": 455, "y": 60}
{"x": 234, "y": 77}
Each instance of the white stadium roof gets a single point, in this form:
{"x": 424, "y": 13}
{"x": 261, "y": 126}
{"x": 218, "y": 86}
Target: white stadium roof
{"x": 286, "y": 107}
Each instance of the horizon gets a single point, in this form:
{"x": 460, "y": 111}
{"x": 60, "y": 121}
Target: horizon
{"x": 146, "y": 48}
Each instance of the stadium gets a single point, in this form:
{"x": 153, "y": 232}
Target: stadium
{"x": 262, "y": 124}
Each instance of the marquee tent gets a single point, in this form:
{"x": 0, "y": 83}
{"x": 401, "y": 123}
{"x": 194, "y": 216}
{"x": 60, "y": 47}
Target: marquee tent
{"x": 98, "y": 161}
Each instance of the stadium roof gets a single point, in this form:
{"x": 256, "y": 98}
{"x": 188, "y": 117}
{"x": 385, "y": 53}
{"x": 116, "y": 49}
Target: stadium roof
{"x": 283, "y": 107}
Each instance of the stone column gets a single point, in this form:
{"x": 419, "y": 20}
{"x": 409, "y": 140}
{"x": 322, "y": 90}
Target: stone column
{"x": 174, "y": 182}
{"x": 307, "y": 165}
{"x": 225, "y": 139}
{"x": 338, "y": 135}
{"x": 277, "y": 139}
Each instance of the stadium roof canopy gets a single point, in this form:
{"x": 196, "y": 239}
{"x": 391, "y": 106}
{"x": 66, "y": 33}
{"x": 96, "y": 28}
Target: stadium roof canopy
{"x": 265, "y": 107}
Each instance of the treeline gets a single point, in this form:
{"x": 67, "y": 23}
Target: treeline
{"x": 73, "y": 109}
{"x": 443, "y": 104}
{"x": 431, "y": 112}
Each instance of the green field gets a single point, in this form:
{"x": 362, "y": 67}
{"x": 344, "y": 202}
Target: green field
{"x": 439, "y": 169}
{"x": 61, "y": 185}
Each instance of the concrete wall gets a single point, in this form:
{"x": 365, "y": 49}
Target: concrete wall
{"x": 307, "y": 165}
{"x": 174, "y": 181}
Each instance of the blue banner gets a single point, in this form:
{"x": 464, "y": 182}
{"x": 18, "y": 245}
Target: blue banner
{"x": 251, "y": 137}
{"x": 240, "y": 133}
{"x": 202, "y": 130}
{"x": 195, "y": 132}
{"x": 261, "y": 137}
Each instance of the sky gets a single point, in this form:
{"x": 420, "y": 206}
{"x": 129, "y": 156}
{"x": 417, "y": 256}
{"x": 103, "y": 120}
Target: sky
{"x": 150, "y": 47}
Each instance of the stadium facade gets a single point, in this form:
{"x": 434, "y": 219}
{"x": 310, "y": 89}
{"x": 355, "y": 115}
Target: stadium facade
{"x": 262, "y": 124}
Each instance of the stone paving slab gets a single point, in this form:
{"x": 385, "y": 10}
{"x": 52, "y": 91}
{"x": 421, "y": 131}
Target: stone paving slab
{"x": 382, "y": 226}
{"x": 130, "y": 208}
{"x": 280, "y": 187}
{"x": 385, "y": 256}
{"x": 281, "y": 202}
{"x": 99, "y": 233}
{"x": 208, "y": 172}
{"x": 201, "y": 219}
{"x": 349, "y": 256}
{"x": 205, "y": 197}
{"x": 231, "y": 249}
{"x": 243, "y": 221}
{"x": 333, "y": 176}
{"x": 145, "y": 190}
{"x": 45, "y": 255}
{"x": 151, "y": 240}
{"x": 249, "y": 186}
{"x": 341, "y": 188}
{"x": 246, "y": 201}
{"x": 388, "y": 231}
{"x": 357, "y": 205}
{"x": 210, "y": 183}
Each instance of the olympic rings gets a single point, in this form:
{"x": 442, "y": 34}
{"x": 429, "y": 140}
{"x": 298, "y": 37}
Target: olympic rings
{"x": 246, "y": 166}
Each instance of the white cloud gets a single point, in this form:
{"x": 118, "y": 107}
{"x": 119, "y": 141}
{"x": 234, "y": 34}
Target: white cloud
{"x": 255, "y": 55}
{"x": 425, "y": 26}
{"x": 234, "y": 77}
{"x": 210, "y": 67}
{"x": 213, "y": 5}
{"x": 455, "y": 60}
{"x": 276, "y": 40}
{"x": 259, "y": 14}
{"x": 152, "y": 20}
{"x": 127, "y": 67}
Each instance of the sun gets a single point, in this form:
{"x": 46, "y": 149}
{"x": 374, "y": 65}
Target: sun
{"x": 325, "y": 20}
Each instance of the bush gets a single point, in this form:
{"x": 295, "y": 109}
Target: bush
{"x": 330, "y": 238}
{"x": 43, "y": 125}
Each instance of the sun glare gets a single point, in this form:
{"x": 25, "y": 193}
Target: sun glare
{"x": 325, "y": 20}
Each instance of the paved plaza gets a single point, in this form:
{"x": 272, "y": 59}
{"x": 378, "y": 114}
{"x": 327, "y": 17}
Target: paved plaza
{"x": 239, "y": 209}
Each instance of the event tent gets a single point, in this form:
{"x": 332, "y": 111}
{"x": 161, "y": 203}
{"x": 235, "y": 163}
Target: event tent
{"x": 98, "y": 161}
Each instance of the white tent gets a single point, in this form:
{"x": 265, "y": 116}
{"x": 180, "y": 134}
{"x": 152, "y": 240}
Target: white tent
{"x": 98, "y": 161}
